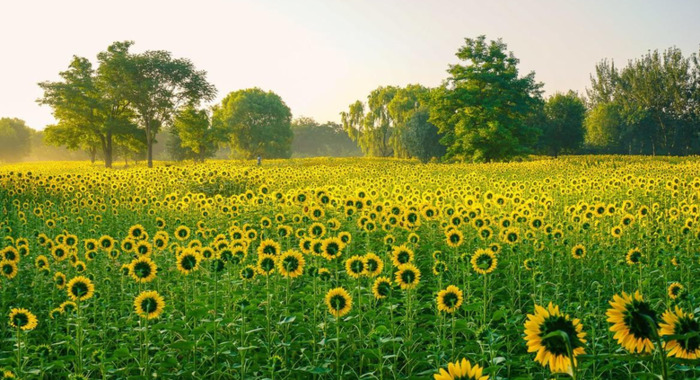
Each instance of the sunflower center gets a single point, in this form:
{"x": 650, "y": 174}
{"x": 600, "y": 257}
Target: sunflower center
{"x": 688, "y": 326}
{"x": 454, "y": 238}
{"x": 267, "y": 264}
{"x": 291, "y": 263}
{"x": 450, "y": 299}
{"x": 149, "y": 305}
{"x": 408, "y": 276}
{"x": 188, "y": 262}
{"x": 384, "y": 288}
{"x": 338, "y": 302}
{"x": 556, "y": 344}
{"x": 332, "y": 249}
{"x": 403, "y": 257}
{"x": 635, "y": 319}
{"x": 484, "y": 261}
{"x": 357, "y": 266}
{"x": 142, "y": 270}
{"x": 270, "y": 250}
{"x": 20, "y": 319}
{"x": 79, "y": 289}
{"x": 372, "y": 265}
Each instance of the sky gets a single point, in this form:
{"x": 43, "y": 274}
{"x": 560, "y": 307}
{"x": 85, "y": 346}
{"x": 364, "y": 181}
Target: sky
{"x": 322, "y": 55}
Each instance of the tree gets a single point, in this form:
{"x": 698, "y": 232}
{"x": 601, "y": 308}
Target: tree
{"x": 483, "y": 107}
{"x": 652, "y": 100}
{"x": 603, "y": 127}
{"x": 378, "y": 126}
{"x": 14, "y": 139}
{"x": 257, "y": 123}
{"x": 312, "y": 139}
{"x": 154, "y": 84}
{"x": 195, "y": 133}
{"x": 563, "y": 126}
{"x": 87, "y": 113}
{"x": 421, "y": 138}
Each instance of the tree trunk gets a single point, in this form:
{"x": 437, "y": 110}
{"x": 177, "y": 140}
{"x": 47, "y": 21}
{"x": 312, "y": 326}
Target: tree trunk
{"x": 93, "y": 154}
{"x": 149, "y": 144}
{"x": 108, "y": 150}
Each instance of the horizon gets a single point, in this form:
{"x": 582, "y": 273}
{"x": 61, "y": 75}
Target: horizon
{"x": 336, "y": 52}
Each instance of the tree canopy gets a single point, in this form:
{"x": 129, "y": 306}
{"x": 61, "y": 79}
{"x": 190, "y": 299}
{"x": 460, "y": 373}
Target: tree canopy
{"x": 312, "y": 139}
{"x": 483, "y": 107}
{"x": 15, "y": 139}
{"x": 562, "y": 128}
{"x": 257, "y": 123}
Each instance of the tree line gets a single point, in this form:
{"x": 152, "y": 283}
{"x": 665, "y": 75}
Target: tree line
{"x": 135, "y": 104}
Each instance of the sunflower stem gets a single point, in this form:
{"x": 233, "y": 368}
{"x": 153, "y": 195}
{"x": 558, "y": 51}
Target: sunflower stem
{"x": 19, "y": 351}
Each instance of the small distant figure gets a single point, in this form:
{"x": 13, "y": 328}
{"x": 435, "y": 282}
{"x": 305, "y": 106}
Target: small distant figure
{"x": 259, "y": 160}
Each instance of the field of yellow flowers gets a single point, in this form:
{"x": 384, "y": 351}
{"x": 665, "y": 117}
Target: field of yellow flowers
{"x": 579, "y": 267}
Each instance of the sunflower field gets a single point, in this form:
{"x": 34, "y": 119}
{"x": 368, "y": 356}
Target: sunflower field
{"x": 581, "y": 267}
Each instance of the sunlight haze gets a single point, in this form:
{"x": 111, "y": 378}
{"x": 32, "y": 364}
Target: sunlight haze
{"x": 320, "y": 56}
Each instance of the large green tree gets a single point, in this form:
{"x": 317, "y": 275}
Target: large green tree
{"x": 15, "y": 139}
{"x": 378, "y": 125}
{"x": 154, "y": 84}
{"x": 312, "y": 139}
{"x": 196, "y": 134}
{"x": 483, "y": 107}
{"x": 652, "y": 102}
{"x": 89, "y": 115}
{"x": 257, "y": 123}
{"x": 563, "y": 125}
{"x": 421, "y": 138}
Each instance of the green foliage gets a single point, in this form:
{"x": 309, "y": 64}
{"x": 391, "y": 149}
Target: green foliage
{"x": 196, "y": 134}
{"x": 312, "y": 139}
{"x": 421, "y": 138}
{"x": 154, "y": 84}
{"x": 90, "y": 115}
{"x": 257, "y": 123}
{"x": 14, "y": 139}
{"x": 378, "y": 127}
{"x": 483, "y": 107}
{"x": 653, "y": 102}
{"x": 563, "y": 124}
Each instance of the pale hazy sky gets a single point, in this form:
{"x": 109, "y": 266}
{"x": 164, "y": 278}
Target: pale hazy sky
{"x": 321, "y": 55}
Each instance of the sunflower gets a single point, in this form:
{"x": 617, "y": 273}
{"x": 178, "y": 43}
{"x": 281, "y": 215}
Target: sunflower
{"x": 143, "y": 248}
{"x": 407, "y": 276}
{"x": 630, "y": 317}
{"x": 484, "y": 261}
{"x": 269, "y": 247}
{"x": 332, "y": 248}
{"x": 182, "y": 233}
{"x": 67, "y": 306}
{"x": 616, "y": 231}
{"x": 106, "y": 242}
{"x": 8, "y": 269}
{"x": 401, "y": 255}
{"x": 675, "y": 290}
{"x": 578, "y": 251}
{"x": 59, "y": 279}
{"x": 324, "y": 274}
{"x": 678, "y": 322}
{"x": 291, "y": 264}
{"x": 143, "y": 269}
{"x": 59, "y": 252}
{"x": 382, "y": 287}
{"x": 317, "y": 230}
{"x": 149, "y": 304}
{"x": 634, "y": 256}
{"x": 356, "y": 266}
{"x": 41, "y": 262}
{"x": 23, "y": 319}
{"x": 374, "y": 264}
{"x": 266, "y": 264}
{"x": 461, "y": 370}
{"x": 9, "y": 254}
{"x": 80, "y": 288}
{"x": 454, "y": 238}
{"x": 137, "y": 232}
{"x": 248, "y": 272}
{"x": 338, "y": 301}
{"x": 188, "y": 261}
{"x": 552, "y": 351}
{"x": 449, "y": 299}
